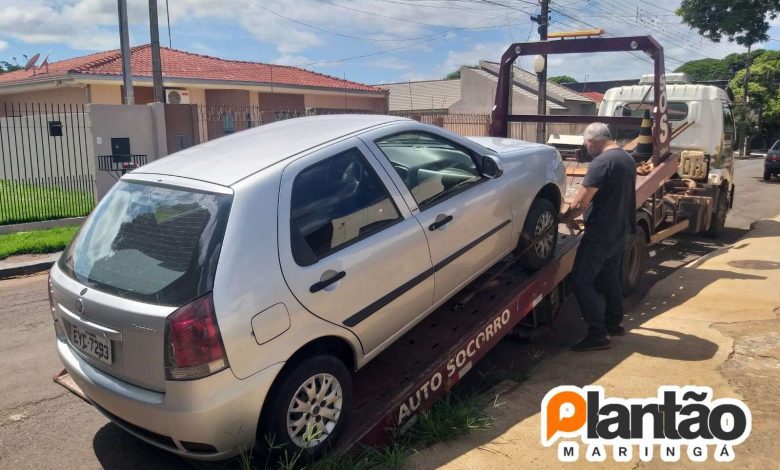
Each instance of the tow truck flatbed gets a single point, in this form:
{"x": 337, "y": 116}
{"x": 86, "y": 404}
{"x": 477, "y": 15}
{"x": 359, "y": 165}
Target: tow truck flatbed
{"x": 431, "y": 358}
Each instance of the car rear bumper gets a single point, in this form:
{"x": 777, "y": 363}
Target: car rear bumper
{"x": 773, "y": 166}
{"x": 207, "y": 419}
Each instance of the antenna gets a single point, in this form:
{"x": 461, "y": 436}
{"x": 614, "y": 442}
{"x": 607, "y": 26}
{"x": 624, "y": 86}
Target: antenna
{"x": 31, "y": 63}
{"x": 45, "y": 62}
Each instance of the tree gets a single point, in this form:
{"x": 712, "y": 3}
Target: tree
{"x": 559, "y": 79}
{"x": 8, "y": 67}
{"x": 745, "y": 22}
{"x": 453, "y": 75}
{"x": 706, "y": 69}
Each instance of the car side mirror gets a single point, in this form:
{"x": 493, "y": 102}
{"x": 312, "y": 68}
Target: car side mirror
{"x": 491, "y": 167}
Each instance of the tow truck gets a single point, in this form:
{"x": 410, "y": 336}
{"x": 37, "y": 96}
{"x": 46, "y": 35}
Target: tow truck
{"x": 425, "y": 364}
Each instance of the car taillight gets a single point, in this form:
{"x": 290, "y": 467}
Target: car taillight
{"x": 193, "y": 343}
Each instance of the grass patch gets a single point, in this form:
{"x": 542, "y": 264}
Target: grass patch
{"x": 39, "y": 241}
{"x": 450, "y": 417}
{"x": 24, "y": 202}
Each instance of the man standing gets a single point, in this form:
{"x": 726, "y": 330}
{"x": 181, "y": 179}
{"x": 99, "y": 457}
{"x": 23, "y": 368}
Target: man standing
{"x": 608, "y": 199}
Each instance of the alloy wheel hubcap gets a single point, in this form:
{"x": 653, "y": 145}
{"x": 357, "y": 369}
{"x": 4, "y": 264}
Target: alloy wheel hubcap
{"x": 543, "y": 225}
{"x": 314, "y": 410}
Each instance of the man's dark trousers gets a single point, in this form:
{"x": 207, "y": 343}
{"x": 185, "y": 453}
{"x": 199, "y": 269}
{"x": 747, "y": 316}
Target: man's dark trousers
{"x": 599, "y": 261}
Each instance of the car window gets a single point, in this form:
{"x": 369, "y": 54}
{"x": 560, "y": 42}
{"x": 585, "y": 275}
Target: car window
{"x": 776, "y": 146}
{"x": 336, "y": 202}
{"x": 150, "y": 243}
{"x": 677, "y": 110}
{"x": 430, "y": 166}
{"x": 728, "y": 123}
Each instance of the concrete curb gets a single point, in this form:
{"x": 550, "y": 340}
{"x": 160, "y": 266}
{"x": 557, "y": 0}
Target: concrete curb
{"x": 28, "y": 264}
{"x": 31, "y": 226}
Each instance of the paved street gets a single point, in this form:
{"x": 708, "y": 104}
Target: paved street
{"x": 43, "y": 426}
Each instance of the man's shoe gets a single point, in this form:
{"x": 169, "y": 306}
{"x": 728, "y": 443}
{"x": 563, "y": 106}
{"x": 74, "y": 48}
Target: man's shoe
{"x": 592, "y": 343}
{"x": 616, "y": 330}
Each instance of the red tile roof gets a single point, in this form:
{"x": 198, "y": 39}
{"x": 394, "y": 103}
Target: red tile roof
{"x": 594, "y": 95}
{"x": 186, "y": 65}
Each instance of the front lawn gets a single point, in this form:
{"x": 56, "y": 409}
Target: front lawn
{"x": 39, "y": 241}
{"x": 26, "y": 202}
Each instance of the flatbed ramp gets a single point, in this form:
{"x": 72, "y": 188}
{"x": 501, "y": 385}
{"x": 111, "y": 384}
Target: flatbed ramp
{"x": 430, "y": 359}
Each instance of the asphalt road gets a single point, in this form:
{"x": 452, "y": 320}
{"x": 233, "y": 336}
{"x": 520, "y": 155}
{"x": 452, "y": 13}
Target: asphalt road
{"x": 44, "y": 426}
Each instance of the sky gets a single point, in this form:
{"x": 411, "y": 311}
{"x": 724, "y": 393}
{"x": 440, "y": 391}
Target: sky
{"x": 368, "y": 41}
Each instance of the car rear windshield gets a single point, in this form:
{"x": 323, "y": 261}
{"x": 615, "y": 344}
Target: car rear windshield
{"x": 150, "y": 243}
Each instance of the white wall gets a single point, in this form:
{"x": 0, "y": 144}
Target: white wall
{"x": 144, "y": 125}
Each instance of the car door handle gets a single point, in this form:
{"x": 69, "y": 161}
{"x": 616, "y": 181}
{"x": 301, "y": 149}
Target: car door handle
{"x": 318, "y": 286}
{"x": 440, "y": 223}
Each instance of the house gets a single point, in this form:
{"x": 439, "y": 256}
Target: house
{"x": 474, "y": 93}
{"x": 188, "y": 78}
{"x": 432, "y": 96}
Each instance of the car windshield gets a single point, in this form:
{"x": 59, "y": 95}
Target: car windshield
{"x": 150, "y": 243}
{"x": 776, "y": 147}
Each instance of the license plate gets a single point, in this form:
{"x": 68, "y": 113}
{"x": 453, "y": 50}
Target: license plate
{"x": 92, "y": 344}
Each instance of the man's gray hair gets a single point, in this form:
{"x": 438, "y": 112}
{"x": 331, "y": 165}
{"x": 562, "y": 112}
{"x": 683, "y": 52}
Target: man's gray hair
{"x": 597, "y": 131}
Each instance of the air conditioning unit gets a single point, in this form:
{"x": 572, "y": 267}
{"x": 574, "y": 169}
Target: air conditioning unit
{"x": 177, "y": 96}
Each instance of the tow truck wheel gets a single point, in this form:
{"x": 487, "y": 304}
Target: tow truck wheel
{"x": 539, "y": 236}
{"x": 634, "y": 258}
{"x": 308, "y": 410}
{"x": 718, "y": 220}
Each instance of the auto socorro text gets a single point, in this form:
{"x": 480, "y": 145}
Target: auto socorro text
{"x": 678, "y": 416}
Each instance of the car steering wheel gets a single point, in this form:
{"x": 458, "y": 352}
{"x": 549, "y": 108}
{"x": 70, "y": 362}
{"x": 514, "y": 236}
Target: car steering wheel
{"x": 351, "y": 178}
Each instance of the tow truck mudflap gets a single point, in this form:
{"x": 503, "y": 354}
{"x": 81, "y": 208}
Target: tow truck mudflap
{"x": 64, "y": 379}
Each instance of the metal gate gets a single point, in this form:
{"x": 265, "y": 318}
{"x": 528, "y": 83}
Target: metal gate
{"x": 45, "y": 168}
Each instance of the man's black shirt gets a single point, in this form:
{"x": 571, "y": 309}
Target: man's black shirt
{"x": 612, "y": 214}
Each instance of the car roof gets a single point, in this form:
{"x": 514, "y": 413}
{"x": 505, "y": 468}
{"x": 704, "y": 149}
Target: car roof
{"x": 229, "y": 159}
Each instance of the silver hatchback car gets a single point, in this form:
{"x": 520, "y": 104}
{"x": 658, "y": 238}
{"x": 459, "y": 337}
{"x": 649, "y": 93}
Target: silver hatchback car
{"x": 224, "y": 295}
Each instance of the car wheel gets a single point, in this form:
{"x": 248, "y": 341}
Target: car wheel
{"x": 308, "y": 410}
{"x": 718, "y": 220}
{"x": 539, "y": 235}
{"x": 767, "y": 175}
{"x": 634, "y": 257}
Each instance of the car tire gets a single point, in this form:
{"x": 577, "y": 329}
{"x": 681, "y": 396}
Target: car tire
{"x": 305, "y": 429}
{"x": 541, "y": 216}
{"x": 718, "y": 220}
{"x": 633, "y": 264}
{"x": 767, "y": 175}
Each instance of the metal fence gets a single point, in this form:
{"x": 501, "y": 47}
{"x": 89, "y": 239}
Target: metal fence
{"x": 45, "y": 168}
{"x": 217, "y": 120}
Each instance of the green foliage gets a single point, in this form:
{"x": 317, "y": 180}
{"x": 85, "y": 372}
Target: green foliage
{"x": 706, "y": 69}
{"x": 38, "y": 241}
{"x": 562, "y": 79}
{"x": 453, "y": 75}
{"x": 745, "y": 22}
{"x": 762, "y": 89}
{"x": 6, "y": 66}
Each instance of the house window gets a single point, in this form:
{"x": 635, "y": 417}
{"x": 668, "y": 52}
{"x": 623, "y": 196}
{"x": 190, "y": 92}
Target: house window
{"x": 228, "y": 124}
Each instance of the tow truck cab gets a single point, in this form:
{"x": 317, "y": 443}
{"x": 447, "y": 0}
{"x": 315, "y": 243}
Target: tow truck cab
{"x": 700, "y": 113}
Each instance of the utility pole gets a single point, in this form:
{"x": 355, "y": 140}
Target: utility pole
{"x": 541, "y": 110}
{"x": 154, "y": 31}
{"x": 746, "y": 101}
{"x": 124, "y": 39}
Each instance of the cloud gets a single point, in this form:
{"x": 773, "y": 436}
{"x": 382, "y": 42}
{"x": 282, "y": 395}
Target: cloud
{"x": 392, "y": 63}
{"x": 3, "y": 45}
{"x": 471, "y": 56}
{"x": 295, "y": 60}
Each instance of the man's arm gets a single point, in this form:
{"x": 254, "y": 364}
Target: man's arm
{"x": 580, "y": 203}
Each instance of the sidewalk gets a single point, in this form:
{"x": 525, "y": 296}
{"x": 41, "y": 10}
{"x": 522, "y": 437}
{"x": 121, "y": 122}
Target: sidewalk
{"x": 713, "y": 323}
{"x": 27, "y": 264}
